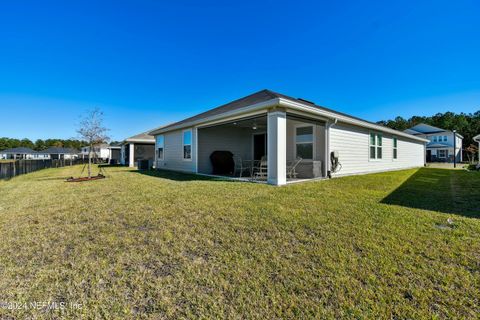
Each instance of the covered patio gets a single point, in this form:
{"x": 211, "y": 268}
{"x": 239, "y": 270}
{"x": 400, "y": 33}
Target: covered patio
{"x": 275, "y": 147}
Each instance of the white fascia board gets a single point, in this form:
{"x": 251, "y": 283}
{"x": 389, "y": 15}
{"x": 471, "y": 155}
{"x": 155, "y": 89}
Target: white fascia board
{"x": 140, "y": 140}
{"x": 231, "y": 115}
{"x": 477, "y": 138}
{"x": 345, "y": 119}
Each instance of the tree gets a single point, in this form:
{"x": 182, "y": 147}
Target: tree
{"x": 471, "y": 150}
{"x": 91, "y": 130}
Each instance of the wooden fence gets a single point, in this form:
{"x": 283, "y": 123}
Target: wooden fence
{"x": 15, "y": 168}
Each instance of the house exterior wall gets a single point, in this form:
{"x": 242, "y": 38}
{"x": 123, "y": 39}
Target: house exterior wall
{"x": 173, "y": 152}
{"x": 236, "y": 140}
{"x": 353, "y": 145}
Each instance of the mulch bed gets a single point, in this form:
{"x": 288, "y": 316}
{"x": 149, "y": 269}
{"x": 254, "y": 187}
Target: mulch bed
{"x": 72, "y": 179}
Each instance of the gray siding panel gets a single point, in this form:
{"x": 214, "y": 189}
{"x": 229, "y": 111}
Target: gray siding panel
{"x": 173, "y": 152}
{"x": 352, "y": 143}
{"x": 236, "y": 140}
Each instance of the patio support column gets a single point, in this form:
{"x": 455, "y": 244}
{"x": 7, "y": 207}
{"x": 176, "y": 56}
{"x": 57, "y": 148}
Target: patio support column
{"x": 277, "y": 147}
{"x": 131, "y": 158}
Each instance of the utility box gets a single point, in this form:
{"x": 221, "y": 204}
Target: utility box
{"x": 143, "y": 164}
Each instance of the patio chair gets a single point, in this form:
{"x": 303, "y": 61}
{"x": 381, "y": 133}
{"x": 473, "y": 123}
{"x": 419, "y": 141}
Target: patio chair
{"x": 260, "y": 169}
{"x": 291, "y": 166}
{"x": 238, "y": 165}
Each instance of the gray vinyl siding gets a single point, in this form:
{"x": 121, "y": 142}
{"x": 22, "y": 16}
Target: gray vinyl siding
{"x": 173, "y": 152}
{"x": 352, "y": 143}
{"x": 236, "y": 140}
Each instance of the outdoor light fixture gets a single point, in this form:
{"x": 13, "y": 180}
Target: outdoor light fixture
{"x": 254, "y": 127}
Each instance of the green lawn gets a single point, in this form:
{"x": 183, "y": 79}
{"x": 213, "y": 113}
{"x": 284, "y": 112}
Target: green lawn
{"x": 178, "y": 246}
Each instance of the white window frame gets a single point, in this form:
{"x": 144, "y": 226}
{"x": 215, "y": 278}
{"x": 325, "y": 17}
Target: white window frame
{"x": 304, "y": 125}
{"x": 157, "y": 147}
{"x": 394, "y": 148}
{"x": 444, "y": 155}
{"x": 376, "y": 133}
{"x": 183, "y": 145}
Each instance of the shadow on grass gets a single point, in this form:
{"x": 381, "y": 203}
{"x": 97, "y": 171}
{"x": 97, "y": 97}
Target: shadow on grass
{"x": 179, "y": 176}
{"x": 448, "y": 191}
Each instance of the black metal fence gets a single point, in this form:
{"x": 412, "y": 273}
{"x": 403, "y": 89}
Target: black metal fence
{"x": 15, "y": 168}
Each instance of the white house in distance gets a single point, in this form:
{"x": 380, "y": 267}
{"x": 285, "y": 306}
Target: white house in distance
{"x": 23, "y": 153}
{"x": 441, "y": 143}
{"x": 104, "y": 152}
{"x": 281, "y": 130}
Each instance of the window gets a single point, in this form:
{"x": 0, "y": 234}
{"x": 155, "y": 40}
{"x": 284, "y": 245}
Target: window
{"x": 187, "y": 144}
{"x": 444, "y": 138}
{"x": 375, "y": 146}
{"x": 304, "y": 142}
{"x": 442, "y": 153}
{"x": 395, "y": 149}
{"x": 435, "y": 139}
{"x": 160, "y": 147}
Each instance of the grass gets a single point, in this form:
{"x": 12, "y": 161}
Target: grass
{"x": 164, "y": 245}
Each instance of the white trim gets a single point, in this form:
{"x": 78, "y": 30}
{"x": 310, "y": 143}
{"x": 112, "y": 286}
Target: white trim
{"x": 314, "y": 140}
{"x": 183, "y": 144}
{"x": 232, "y": 115}
{"x": 394, "y": 148}
{"x": 140, "y": 141}
{"x": 446, "y": 153}
{"x": 344, "y": 118}
{"x": 196, "y": 149}
{"x": 376, "y": 133}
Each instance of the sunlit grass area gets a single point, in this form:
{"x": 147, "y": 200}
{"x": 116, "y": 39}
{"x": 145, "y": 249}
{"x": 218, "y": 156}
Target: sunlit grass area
{"x": 168, "y": 245}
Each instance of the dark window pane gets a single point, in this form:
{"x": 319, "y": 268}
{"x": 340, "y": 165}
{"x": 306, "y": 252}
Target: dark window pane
{"x": 395, "y": 153}
{"x": 379, "y": 139}
{"x": 160, "y": 153}
{"x": 379, "y": 153}
{"x": 372, "y": 152}
{"x": 372, "y": 139}
{"x": 187, "y": 154}
{"x": 394, "y": 142}
{"x": 304, "y": 134}
{"x": 305, "y": 150}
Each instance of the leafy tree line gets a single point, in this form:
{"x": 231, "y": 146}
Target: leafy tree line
{"x": 39, "y": 144}
{"x": 466, "y": 124}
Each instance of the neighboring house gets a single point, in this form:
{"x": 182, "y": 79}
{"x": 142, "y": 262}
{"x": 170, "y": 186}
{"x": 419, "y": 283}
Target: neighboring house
{"x": 61, "y": 153}
{"x": 138, "y": 147}
{"x": 477, "y": 139}
{"x": 22, "y": 153}
{"x": 282, "y": 128}
{"x": 441, "y": 143}
{"x": 103, "y": 152}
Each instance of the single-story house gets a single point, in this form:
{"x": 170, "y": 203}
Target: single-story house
{"x": 279, "y": 130}
{"x": 22, "y": 153}
{"x": 441, "y": 146}
{"x": 137, "y": 147}
{"x": 104, "y": 152}
{"x": 61, "y": 153}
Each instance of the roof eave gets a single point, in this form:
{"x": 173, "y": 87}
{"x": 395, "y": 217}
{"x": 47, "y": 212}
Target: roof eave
{"x": 343, "y": 118}
{"x": 210, "y": 120}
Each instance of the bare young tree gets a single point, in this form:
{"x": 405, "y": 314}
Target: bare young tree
{"x": 92, "y": 130}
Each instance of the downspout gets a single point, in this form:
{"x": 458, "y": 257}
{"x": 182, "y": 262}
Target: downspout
{"x": 328, "y": 125}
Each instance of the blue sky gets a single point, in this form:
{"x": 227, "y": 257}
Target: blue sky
{"x": 147, "y": 63}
